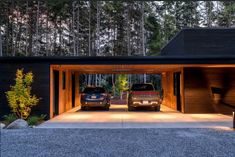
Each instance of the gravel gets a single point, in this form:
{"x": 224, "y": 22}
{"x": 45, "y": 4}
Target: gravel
{"x": 118, "y": 143}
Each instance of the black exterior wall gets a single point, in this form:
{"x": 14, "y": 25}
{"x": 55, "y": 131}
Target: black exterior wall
{"x": 190, "y": 46}
{"x": 201, "y": 42}
{"x": 40, "y": 87}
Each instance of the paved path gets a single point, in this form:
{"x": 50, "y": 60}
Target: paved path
{"x": 119, "y": 117}
{"x": 118, "y": 143}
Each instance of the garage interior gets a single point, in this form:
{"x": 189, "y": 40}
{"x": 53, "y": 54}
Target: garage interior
{"x": 65, "y": 99}
{"x": 188, "y": 88}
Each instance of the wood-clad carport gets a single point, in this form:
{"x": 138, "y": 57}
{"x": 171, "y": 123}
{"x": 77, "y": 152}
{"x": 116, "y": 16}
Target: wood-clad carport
{"x": 65, "y": 95}
{"x": 177, "y": 96}
{"x": 197, "y": 68}
{"x": 196, "y": 76}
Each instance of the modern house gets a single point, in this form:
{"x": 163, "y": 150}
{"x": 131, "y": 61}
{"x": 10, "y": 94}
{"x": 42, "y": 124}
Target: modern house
{"x": 197, "y": 68}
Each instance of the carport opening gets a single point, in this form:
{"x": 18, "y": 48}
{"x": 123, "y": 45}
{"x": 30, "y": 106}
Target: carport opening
{"x": 68, "y": 82}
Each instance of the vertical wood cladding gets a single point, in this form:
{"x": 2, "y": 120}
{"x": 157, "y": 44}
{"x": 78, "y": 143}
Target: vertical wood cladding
{"x": 168, "y": 90}
{"x": 77, "y": 94}
{"x": 199, "y": 97}
{"x": 40, "y": 86}
{"x": 65, "y": 91}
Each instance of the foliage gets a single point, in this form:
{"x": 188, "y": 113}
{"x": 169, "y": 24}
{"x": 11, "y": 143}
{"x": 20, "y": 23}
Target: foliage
{"x": 104, "y": 83}
{"x": 34, "y": 120}
{"x": 121, "y": 83}
{"x": 72, "y": 28}
{"x": 9, "y": 118}
{"x": 19, "y": 96}
{"x": 59, "y": 27}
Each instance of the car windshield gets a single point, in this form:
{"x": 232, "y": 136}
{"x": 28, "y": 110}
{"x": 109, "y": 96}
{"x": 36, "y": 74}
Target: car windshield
{"x": 94, "y": 90}
{"x": 142, "y": 87}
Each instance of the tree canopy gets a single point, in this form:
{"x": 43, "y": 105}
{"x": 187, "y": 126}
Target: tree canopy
{"x": 102, "y": 28}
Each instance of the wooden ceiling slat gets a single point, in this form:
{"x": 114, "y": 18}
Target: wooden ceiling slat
{"x": 131, "y": 69}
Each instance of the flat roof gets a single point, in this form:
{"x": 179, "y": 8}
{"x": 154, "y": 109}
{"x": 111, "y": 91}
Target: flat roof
{"x": 216, "y": 59}
{"x": 201, "y": 41}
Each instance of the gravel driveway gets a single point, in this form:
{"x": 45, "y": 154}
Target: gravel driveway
{"x": 117, "y": 143}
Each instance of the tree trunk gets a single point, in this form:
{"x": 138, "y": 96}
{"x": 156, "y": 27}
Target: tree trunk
{"x": 60, "y": 35}
{"x": 128, "y": 30}
{"x": 128, "y": 37}
{"x": 98, "y": 28}
{"x": 78, "y": 29}
{"x": 37, "y": 46}
{"x": 121, "y": 92}
{"x": 143, "y": 34}
{"x": 0, "y": 41}
{"x": 27, "y": 29}
{"x": 30, "y": 31}
{"x": 73, "y": 29}
{"x": 47, "y": 33}
{"x": 89, "y": 40}
{"x": 12, "y": 31}
{"x": 89, "y": 35}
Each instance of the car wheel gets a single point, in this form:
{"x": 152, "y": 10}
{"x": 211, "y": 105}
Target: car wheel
{"x": 83, "y": 108}
{"x": 106, "y": 108}
{"x": 130, "y": 108}
{"x": 157, "y": 108}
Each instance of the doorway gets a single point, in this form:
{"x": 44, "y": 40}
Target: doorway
{"x": 177, "y": 90}
{"x": 73, "y": 90}
{"x": 56, "y": 93}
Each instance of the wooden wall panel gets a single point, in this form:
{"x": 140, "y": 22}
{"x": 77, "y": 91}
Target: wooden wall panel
{"x": 65, "y": 95}
{"x": 198, "y": 94}
{"x": 77, "y": 90}
{"x": 61, "y": 93}
{"x": 182, "y": 93}
{"x": 40, "y": 86}
{"x": 168, "y": 94}
{"x": 51, "y": 92}
{"x": 68, "y": 90}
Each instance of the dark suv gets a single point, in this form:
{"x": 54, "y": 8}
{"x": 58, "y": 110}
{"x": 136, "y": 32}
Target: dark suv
{"x": 144, "y": 95}
{"x": 95, "y": 97}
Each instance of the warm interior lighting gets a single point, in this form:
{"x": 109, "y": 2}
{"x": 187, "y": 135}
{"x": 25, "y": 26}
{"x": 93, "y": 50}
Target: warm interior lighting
{"x": 162, "y": 116}
{"x": 122, "y": 116}
{"x": 205, "y": 116}
{"x": 77, "y": 116}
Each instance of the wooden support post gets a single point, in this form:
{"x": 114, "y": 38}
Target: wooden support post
{"x": 233, "y": 119}
{"x": 77, "y": 92}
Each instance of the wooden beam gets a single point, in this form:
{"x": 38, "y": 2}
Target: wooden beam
{"x": 77, "y": 88}
{"x": 182, "y": 91}
{"x": 51, "y": 92}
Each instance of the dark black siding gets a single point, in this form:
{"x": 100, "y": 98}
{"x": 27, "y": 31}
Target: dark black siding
{"x": 175, "y": 47}
{"x": 204, "y": 41}
{"x": 40, "y": 87}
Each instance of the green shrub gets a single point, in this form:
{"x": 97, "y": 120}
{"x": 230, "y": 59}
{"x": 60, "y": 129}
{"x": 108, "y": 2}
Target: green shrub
{"x": 19, "y": 97}
{"x": 9, "y": 118}
{"x": 121, "y": 84}
{"x": 34, "y": 120}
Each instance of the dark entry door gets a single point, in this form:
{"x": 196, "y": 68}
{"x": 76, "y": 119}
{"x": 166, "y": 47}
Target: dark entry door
{"x": 177, "y": 90}
{"x": 73, "y": 90}
{"x": 56, "y": 93}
